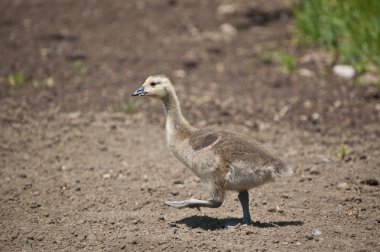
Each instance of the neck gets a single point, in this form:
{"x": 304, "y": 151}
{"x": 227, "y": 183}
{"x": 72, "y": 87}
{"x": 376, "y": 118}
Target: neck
{"x": 176, "y": 125}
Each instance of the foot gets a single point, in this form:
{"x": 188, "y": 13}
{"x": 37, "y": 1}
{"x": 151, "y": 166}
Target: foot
{"x": 232, "y": 224}
{"x": 194, "y": 203}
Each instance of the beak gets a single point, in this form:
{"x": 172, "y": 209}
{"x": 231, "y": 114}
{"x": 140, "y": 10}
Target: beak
{"x": 139, "y": 92}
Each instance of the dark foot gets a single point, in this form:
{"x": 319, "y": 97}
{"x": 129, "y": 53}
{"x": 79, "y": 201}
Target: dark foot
{"x": 194, "y": 203}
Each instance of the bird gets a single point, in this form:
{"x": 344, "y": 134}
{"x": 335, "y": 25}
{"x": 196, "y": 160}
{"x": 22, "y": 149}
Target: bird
{"x": 222, "y": 159}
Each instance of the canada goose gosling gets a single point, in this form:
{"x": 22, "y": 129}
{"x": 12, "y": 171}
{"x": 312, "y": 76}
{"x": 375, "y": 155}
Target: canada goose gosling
{"x": 223, "y": 160}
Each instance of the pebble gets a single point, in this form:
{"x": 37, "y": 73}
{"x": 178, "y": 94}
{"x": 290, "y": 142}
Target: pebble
{"x": 80, "y": 245}
{"x": 343, "y": 185}
{"x": 309, "y": 237}
{"x": 344, "y": 71}
{"x": 370, "y": 182}
{"x": 106, "y": 175}
{"x": 316, "y": 232}
{"x": 228, "y": 30}
{"x": 178, "y": 182}
{"x": 314, "y": 171}
{"x": 225, "y": 9}
{"x": 35, "y": 205}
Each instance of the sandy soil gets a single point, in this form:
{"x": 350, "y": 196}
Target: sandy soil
{"x": 78, "y": 173}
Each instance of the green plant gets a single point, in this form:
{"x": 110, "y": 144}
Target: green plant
{"x": 18, "y": 80}
{"x": 266, "y": 57}
{"x": 130, "y": 107}
{"x": 343, "y": 151}
{"x": 286, "y": 60}
{"x": 349, "y": 29}
{"x": 80, "y": 66}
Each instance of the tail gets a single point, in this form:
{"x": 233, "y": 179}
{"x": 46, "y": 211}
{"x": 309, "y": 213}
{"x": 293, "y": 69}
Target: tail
{"x": 281, "y": 169}
{"x": 288, "y": 171}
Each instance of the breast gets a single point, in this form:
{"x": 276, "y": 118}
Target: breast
{"x": 201, "y": 161}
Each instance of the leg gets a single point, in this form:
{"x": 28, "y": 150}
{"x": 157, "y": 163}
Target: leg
{"x": 216, "y": 195}
{"x": 244, "y": 200}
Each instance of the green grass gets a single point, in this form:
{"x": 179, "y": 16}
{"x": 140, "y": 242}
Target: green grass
{"x": 80, "y": 66}
{"x": 286, "y": 60}
{"x": 343, "y": 151}
{"x": 130, "y": 107}
{"x": 266, "y": 57}
{"x": 18, "y": 80}
{"x": 350, "y": 29}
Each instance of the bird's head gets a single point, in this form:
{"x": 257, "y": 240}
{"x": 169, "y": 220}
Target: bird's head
{"x": 158, "y": 86}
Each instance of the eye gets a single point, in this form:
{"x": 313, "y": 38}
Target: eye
{"x": 154, "y": 83}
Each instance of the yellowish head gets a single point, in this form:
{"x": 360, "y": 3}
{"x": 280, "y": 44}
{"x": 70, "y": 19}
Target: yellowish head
{"x": 158, "y": 86}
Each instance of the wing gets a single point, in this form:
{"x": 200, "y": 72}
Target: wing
{"x": 203, "y": 138}
{"x": 243, "y": 151}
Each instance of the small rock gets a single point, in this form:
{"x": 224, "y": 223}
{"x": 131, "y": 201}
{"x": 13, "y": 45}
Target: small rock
{"x": 343, "y": 185}
{"x": 226, "y": 9}
{"x": 35, "y": 205}
{"x": 272, "y": 210}
{"x": 316, "y": 232}
{"x": 309, "y": 237}
{"x": 134, "y": 242}
{"x": 228, "y": 31}
{"x": 314, "y": 171}
{"x": 80, "y": 245}
{"x": 307, "y": 104}
{"x": 279, "y": 210}
{"x": 315, "y": 117}
{"x": 106, "y": 175}
{"x": 345, "y": 71}
{"x": 174, "y": 193}
{"x": 249, "y": 232}
{"x": 172, "y": 225}
{"x": 370, "y": 182}
{"x": 305, "y": 72}
{"x": 145, "y": 178}
{"x": 178, "y": 182}
{"x": 23, "y": 176}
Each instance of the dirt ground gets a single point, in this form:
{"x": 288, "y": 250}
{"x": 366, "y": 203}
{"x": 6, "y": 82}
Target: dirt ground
{"x": 85, "y": 167}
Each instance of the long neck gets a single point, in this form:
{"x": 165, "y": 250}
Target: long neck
{"x": 176, "y": 125}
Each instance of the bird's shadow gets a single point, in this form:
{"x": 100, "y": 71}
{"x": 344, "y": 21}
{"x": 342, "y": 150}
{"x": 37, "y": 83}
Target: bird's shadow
{"x": 210, "y": 223}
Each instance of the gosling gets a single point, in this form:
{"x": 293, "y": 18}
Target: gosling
{"x": 223, "y": 160}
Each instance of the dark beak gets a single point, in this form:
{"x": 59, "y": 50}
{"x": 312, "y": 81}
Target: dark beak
{"x": 139, "y": 92}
